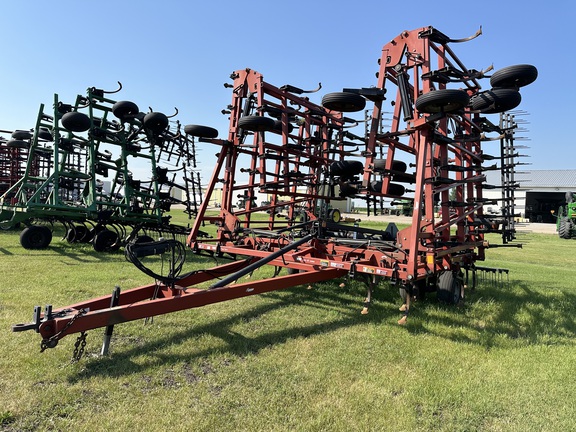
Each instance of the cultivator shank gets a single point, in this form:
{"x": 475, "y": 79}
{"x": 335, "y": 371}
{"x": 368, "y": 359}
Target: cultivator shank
{"x": 303, "y": 157}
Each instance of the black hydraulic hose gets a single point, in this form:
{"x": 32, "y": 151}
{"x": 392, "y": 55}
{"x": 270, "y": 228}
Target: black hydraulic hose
{"x": 261, "y": 262}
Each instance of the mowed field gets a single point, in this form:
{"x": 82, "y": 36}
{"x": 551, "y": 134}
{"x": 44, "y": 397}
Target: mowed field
{"x": 302, "y": 359}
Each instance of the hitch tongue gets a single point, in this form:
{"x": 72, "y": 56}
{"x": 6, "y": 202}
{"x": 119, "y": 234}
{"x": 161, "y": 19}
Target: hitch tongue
{"x": 36, "y": 320}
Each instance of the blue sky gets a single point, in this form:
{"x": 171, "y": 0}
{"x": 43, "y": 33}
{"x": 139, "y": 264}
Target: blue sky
{"x": 179, "y": 53}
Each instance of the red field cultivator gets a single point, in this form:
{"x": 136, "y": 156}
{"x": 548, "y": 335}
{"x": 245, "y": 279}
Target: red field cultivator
{"x": 305, "y": 156}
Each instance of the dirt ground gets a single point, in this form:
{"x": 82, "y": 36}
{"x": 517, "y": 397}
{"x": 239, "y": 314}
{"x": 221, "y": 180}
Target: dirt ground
{"x": 543, "y": 228}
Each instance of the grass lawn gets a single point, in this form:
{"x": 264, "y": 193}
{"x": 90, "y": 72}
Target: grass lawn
{"x": 296, "y": 360}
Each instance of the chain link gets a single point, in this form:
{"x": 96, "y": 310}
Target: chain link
{"x": 79, "y": 348}
{"x": 52, "y": 341}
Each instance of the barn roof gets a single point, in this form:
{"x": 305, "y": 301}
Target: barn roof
{"x": 539, "y": 178}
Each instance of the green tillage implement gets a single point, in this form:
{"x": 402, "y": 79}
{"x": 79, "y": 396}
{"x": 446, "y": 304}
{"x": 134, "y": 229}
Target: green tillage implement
{"x": 74, "y": 150}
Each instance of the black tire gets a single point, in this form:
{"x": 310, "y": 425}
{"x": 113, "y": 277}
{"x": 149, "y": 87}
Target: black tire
{"x": 256, "y": 123}
{"x": 343, "y": 102}
{"x": 496, "y": 100}
{"x": 21, "y": 135}
{"x": 400, "y": 166}
{"x": 200, "y": 131}
{"x": 335, "y": 215}
{"x": 346, "y": 169}
{"x": 277, "y": 113}
{"x": 125, "y": 110}
{"x": 514, "y": 76}
{"x": 35, "y": 237}
{"x": 143, "y": 239}
{"x": 45, "y": 134}
{"x": 76, "y": 121}
{"x": 393, "y": 188}
{"x": 105, "y": 241}
{"x": 155, "y": 122}
{"x": 14, "y": 143}
{"x": 564, "y": 228}
{"x": 444, "y": 100}
{"x": 278, "y": 126}
{"x": 449, "y": 288}
{"x": 347, "y": 189}
{"x": 292, "y": 270}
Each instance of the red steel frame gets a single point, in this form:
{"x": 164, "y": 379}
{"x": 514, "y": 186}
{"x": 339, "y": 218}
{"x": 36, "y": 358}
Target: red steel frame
{"x": 292, "y": 163}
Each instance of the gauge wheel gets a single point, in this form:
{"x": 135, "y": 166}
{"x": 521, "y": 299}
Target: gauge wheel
{"x": 514, "y": 76}
{"x": 346, "y": 168}
{"x": 200, "y": 131}
{"x": 393, "y": 188}
{"x": 156, "y": 122}
{"x": 21, "y": 135}
{"x": 496, "y": 100}
{"x": 35, "y": 237}
{"x": 343, "y": 102}
{"x": 400, "y": 166}
{"x": 444, "y": 100}
{"x": 125, "y": 110}
{"x": 449, "y": 288}
{"x": 256, "y": 123}
{"x": 76, "y": 121}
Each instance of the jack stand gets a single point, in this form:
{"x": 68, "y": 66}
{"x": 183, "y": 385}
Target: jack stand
{"x": 110, "y": 329}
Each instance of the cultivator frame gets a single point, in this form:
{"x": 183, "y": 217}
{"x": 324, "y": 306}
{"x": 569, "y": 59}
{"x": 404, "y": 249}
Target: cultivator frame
{"x": 304, "y": 156}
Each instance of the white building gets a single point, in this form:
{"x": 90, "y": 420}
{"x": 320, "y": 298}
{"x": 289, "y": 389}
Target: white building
{"x": 539, "y": 193}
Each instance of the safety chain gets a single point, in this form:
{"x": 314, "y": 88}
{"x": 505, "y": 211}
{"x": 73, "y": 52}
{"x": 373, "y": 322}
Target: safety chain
{"x": 52, "y": 341}
{"x": 79, "y": 348}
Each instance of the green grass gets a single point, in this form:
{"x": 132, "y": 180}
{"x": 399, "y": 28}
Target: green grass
{"x": 296, "y": 360}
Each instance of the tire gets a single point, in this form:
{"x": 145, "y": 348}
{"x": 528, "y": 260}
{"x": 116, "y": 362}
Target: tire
{"x": 278, "y": 126}
{"x": 335, "y": 216}
{"x": 21, "y": 135}
{"x": 348, "y": 190}
{"x": 346, "y": 169}
{"x": 105, "y": 241}
{"x": 449, "y": 288}
{"x": 143, "y": 239}
{"x": 393, "y": 188}
{"x": 496, "y": 100}
{"x": 514, "y": 76}
{"x": 45, "y": 134}
{"x": 445, "y": 100}
{"x": 35, "y": 237}
{"x": 564, "y": 228}
{"x": 400, "y": 166}
{"x": 14, "y": 143}
{"x": 200, "y": 131}
{"x": 256, "y": 123}
{"x": 155, "y": 122}
{"x": 125, "y": 110}
{"x": 343, "y": 102}
{"x": 76, "y": 121}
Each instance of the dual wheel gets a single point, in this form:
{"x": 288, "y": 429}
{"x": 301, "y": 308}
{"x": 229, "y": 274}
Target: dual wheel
{"x": 503, "y": 96}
